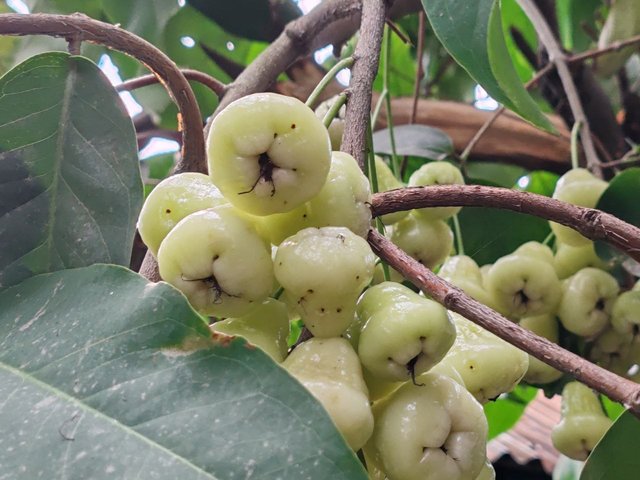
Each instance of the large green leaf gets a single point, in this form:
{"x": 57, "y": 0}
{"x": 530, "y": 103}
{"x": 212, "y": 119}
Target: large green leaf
{"x": 253, "y": 19}
{"x": 71, "y": 188}
{"x": 104, "y": 375}
{"x": 472, "y": 33}
{"x": 415, "y": 140}
{"x": 621, "y": 199}
{"x": 576, "y": 20}
{"x": 616, "y": 455}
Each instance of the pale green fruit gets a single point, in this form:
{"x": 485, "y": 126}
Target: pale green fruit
{"x": 266, "y": 326}
{"x": 330, "y": 370}
{"x": 523, "y": 286}
{"x": 437, "y": 173}
{"x": 613, "y": 350}
{"x": 535, "y": 250}
{"x": 428, "y": 241}
{"x": 487, "y": 472}
{"x": 488, "y": 365}
{"x": 218, "y": 261}
{"x": 173, "y": 199}
{"x": 323, "y": 271}
{"x": 268, "y": 153}
{"x": 336, "y": 128}
{"x": 583, "y": 422}
{"x": 587, "y": 301}
{"x": 623, "y": 22}
{"x": 433, "y": 432}
{"x": 343, "y": 201}
{"x": 463, "y": 272}
{"x": 625, "y": 314}
{"x": 578, "y": 187}
{"x": 403, "y": 334}
{"x": 545, "y": 326}
{"x": 387, "y": 181}
{"x": 568, "y": 260}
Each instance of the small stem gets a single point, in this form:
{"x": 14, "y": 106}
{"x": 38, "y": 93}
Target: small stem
{"x": 334, "y": 110}
{"x": 575, "y": 133}
{"x": 458, "y": 233}
{"x": 330, "y": 75}
{"x": 378, "y": 107}
{"x": 372, "y": 175}
{"x": 278, "y": 293}
{"x": 548, "y": 239}
{"x": 386, "y": 55}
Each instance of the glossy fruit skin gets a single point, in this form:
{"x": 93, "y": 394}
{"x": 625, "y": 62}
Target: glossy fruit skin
{"x": 343, "y": 201}
{"x": 265, "y": 326}
{"x": 437, "y": 173}
{"x": 173, "y": 199}
{"x": 323, "y": 272}
{"x": 330, "y": 370}
{"x": 218, "y": 261}
{"x": 268, "y": 153}
{"x": 428, "y": 241}
{"x": 568, "y": 260}
{"x": 583, "y": 422}
{"x": 488, "y": 365}
{"x": 336, "y": 128}
{"x": 614, "y": 351}
{"x": 463, "y": 272}
{"x": 587, "y": 301}
{"x": 546, "y": 326}
{"x": 625, "y": 313}
{"x": 414, "y": 423}
{"x": 578, "y": 187}
{"x": 401, "y": 332}
{"x": 523, "y": 286}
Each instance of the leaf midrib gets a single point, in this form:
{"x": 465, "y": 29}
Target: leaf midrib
{"x": 68, "y": 398}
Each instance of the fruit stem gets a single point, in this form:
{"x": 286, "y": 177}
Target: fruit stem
{"x": 335, "y": 108}
{"x": 575, "y": 132}
{"x": 329, "y": 76}
{"x": 458, "y": 233}
{"x": 278, "y": 293}
{"x": 386, "y": 54}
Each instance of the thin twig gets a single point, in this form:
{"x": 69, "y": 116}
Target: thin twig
{"x": 558, "y": 57}
{"x": 597, "y": 52}
{"x": 363, "y": 72}
{"x": 89, "y": 30}
{"x": 615, "y": 387}
{"x": 330, "y": 75}
{"x": 592, "y": 223}
{"x": 215, "y": 85}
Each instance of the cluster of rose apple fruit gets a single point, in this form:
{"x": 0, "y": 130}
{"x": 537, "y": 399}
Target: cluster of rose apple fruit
{"x": 402, "y": 378}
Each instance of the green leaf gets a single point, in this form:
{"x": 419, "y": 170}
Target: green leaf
{"x": 71, "y": 188}
{"x": 253, "y": 19}
{"x": 508, "y": 230}
{"x": 503, "y": 413}
{"x": 105, "y": 375}
{"x": 576, "y": 19}
{"x": 540, "y": 182}
{"x": 415, "y": 140}
{"x": 616, "y": 455}
{"x": 402, "y": 68}
{"x": 621, "y": 199}
{"x": 472, "y": 33}
{"x": 498, "y": 174}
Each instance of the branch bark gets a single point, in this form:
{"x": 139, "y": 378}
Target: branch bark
{"x": 363, "y": 72}
{"x": 79, "y": 27}
{"x": 592, "y": 223}
{"x": 615, "y": 387}
{"x": 215, "y": 85}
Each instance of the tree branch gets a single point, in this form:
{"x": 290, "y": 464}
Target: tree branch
{"x": 591, "y": 223}
{"x": 215, "y": 85}
{"x": 557, "y": 56}
{"x": 363, "y": 72}
{"x": 615, "y": 387}
{"x": 82, "y": 28}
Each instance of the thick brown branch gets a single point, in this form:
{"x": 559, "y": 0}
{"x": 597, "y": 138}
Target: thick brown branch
{"x": 331, "y": 22}
{"x": 615, "y": 387}
{"x": 363, "y": 72}
{"x": 215, "y": 85}
{"x": 591, "y": 223}
{"x": 82, "y": 28}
